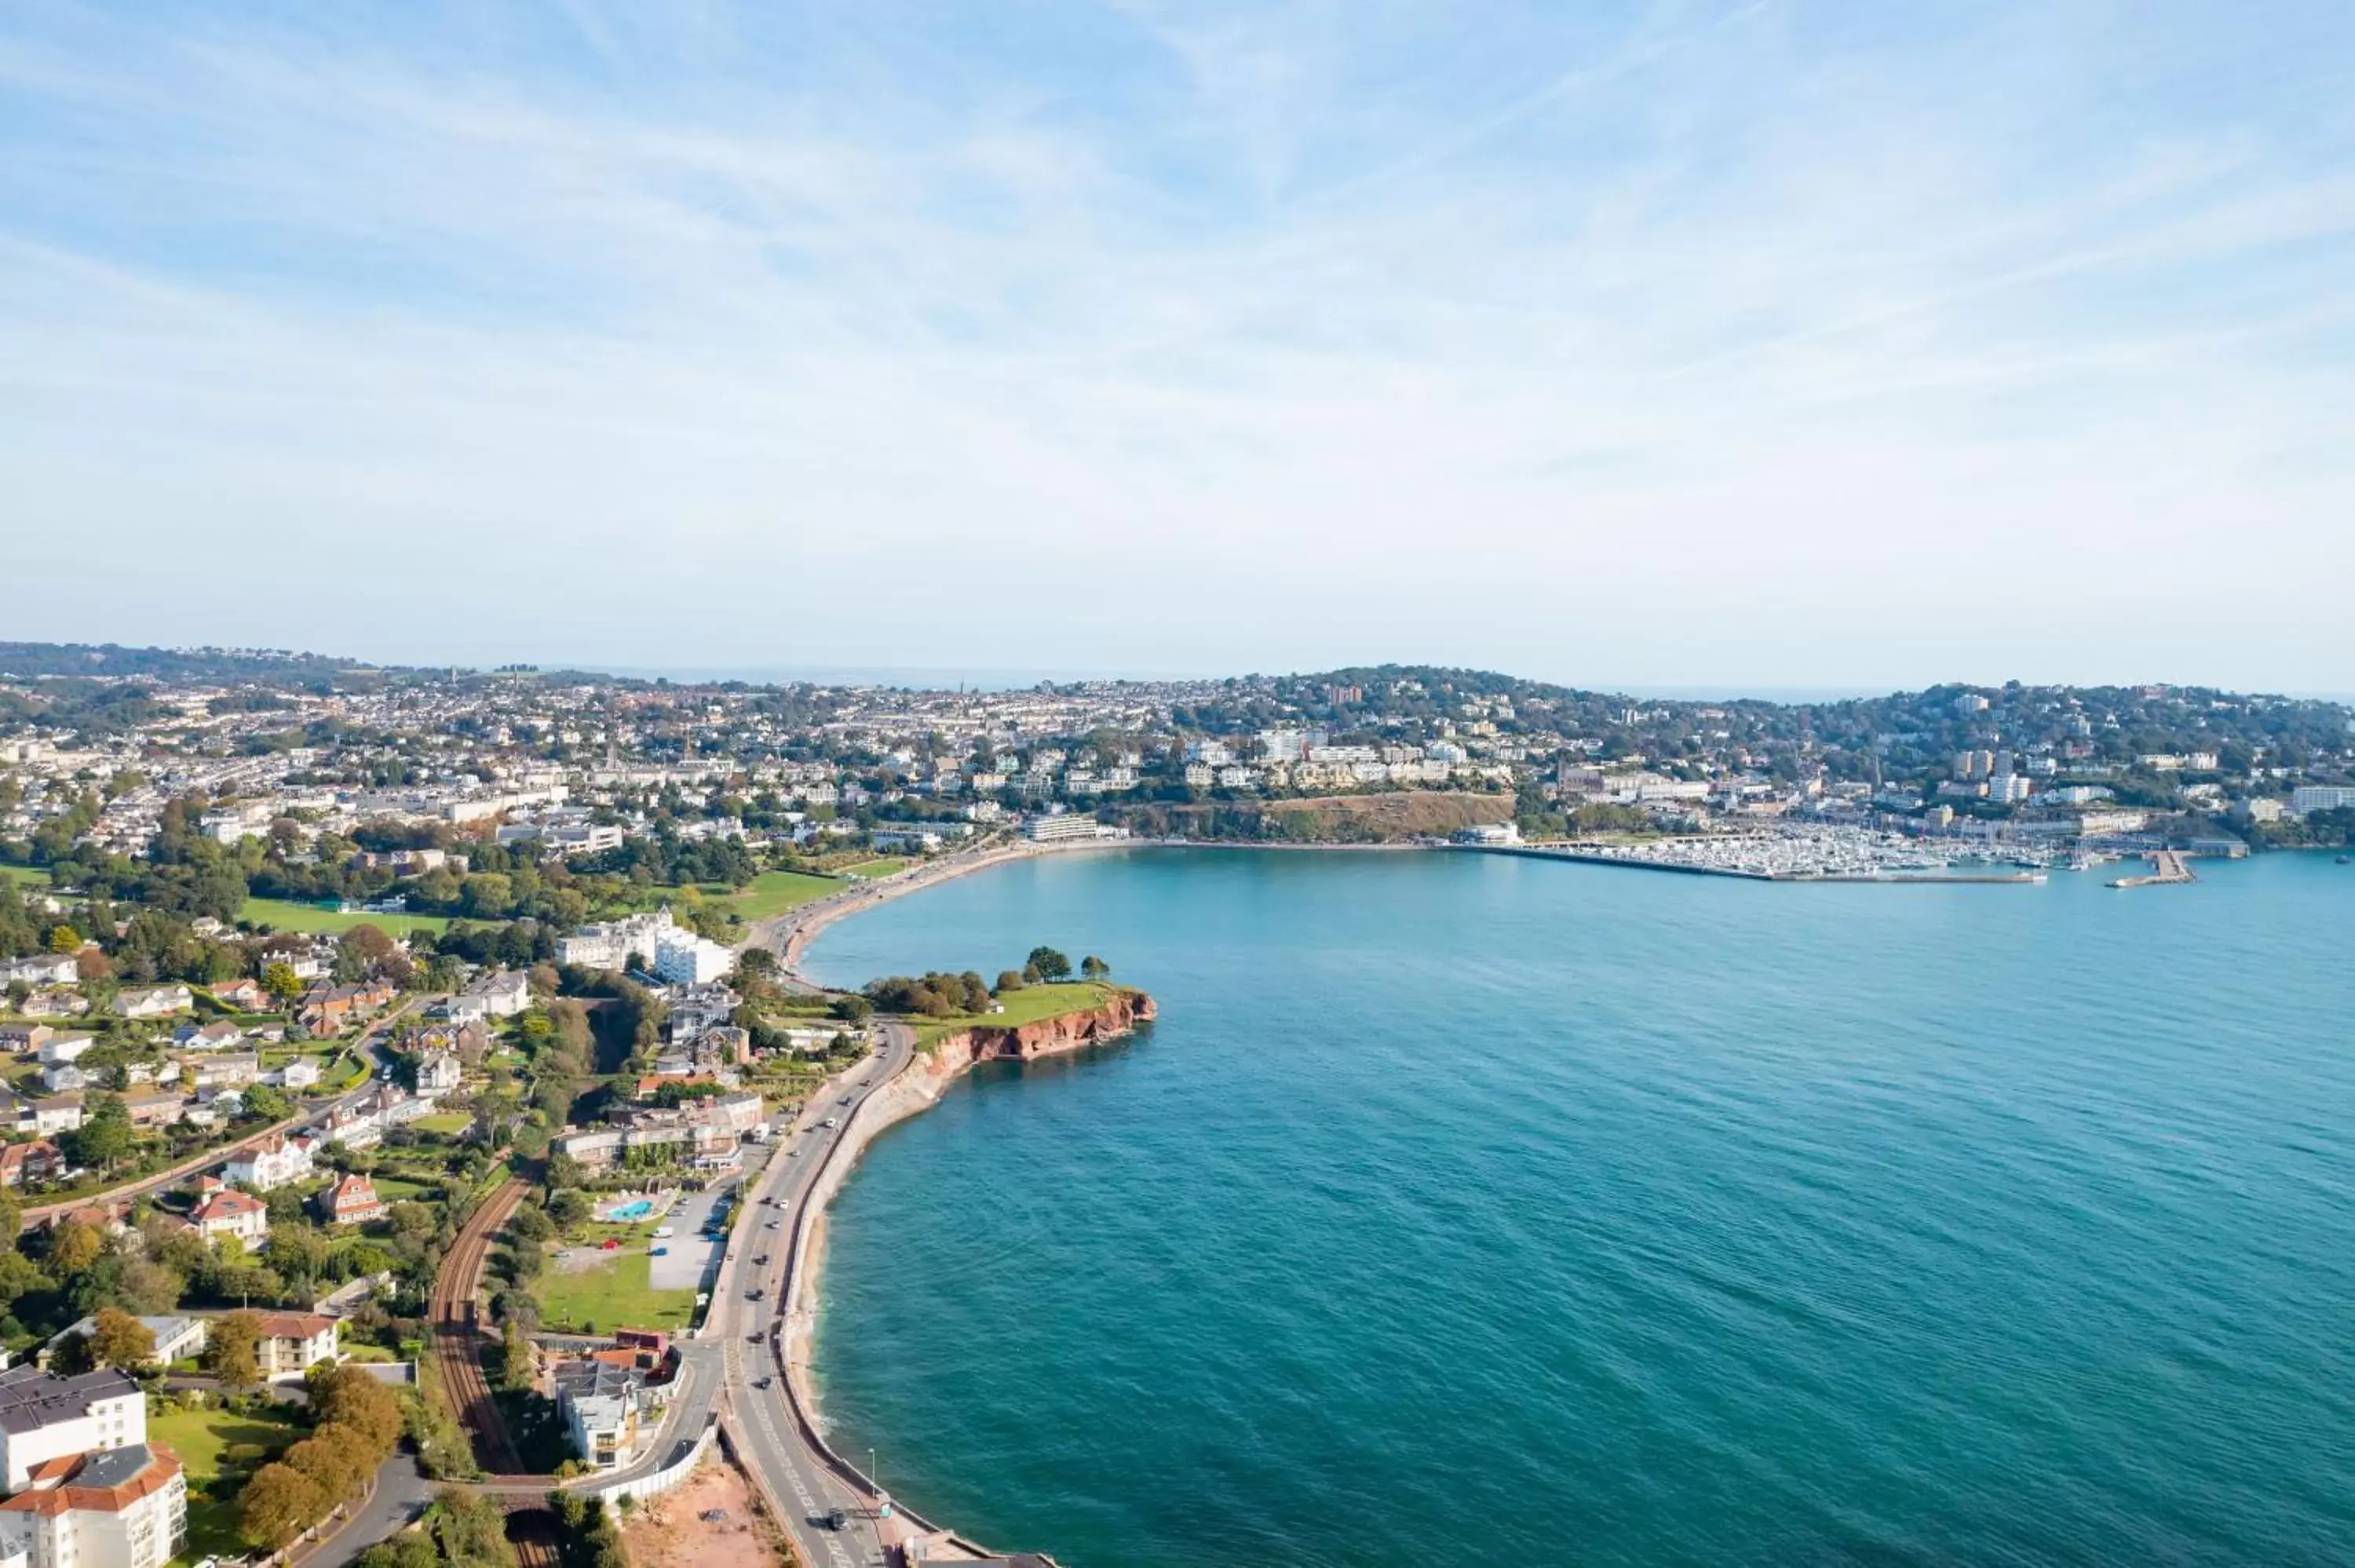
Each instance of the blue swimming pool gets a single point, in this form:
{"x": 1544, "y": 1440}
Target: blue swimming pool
{"x": 636, "y": 1209}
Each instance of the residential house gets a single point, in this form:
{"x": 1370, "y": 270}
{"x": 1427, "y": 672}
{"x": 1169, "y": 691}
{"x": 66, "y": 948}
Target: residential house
{"x": 41, "y": 969}
{"x": 60, "y": 1113}
{"x": 328, "y": 1011}
{"x": 349, "y": 1201}
{"x": 54, "y": 1002}
{"x": 46, "y": 1414}
{"x": 178, "y": 1339}
{"x": 59, "y": 1077}
{"x": 35, "y": 1161}
{"x": 16, "y": 1038}
{"x": 292, "y": 1343}
{"x": 155, "y": 1108}
{"x": 696, "y": 1008}
{"x": 273, "y": 1162}
{"x": 112, "y": 1219}
{"x": 437, "y": 1074}
{"x": 608, "y": 1411}
{"x": 229, "y": 1213}
{"x": 153, "y": 1002}
{"x": 500, "y": 994}
{"x": 219, "y": 1035}
{"x": 244, "y": 995}
{"x": 300, "y": 1072}
{"x": 124, "y": 1508}
{"x": 232, "y": 1071}
{"x": 60, "y": 1050}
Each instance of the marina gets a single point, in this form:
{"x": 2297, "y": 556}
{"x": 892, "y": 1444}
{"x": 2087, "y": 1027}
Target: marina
{"x": 1798, "y": 854}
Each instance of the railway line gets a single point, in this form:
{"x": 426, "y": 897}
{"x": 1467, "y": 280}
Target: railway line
{"x": 458, "y": 1331}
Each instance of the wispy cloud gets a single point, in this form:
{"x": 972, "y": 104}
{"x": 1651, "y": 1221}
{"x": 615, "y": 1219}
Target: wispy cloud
{"x": 1775, "y": 341}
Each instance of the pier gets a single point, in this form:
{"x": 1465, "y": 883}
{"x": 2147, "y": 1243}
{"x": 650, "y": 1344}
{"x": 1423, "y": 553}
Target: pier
{"x": 2168, "y": 866}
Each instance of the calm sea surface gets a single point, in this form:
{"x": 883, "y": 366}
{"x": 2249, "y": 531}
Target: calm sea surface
{"x": 1478, "y": 1210}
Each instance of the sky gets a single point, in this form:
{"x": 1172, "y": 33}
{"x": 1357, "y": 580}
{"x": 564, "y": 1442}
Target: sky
{"x": 1742, "y": 346}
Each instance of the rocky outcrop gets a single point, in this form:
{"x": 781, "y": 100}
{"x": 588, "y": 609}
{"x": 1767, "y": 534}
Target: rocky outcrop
{"x": 1051, "y": 1037}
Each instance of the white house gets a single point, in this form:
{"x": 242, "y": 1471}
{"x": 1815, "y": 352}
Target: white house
{"x": 176, "y": 1339}
{"x": 59, "y": 1077}
{"x": 60, "y": 1049}
{"x": 41, "y": 969}
{"x": 292, "y": 1343}
{"x": 273, "y": 1162}
{"x": 229, "y": 1213}
{"x": 437, "y": 1073}
{"x": 608, "y": 1412}
{"x": 44, "y": 1415}
{"x": 300, "y": 1072}
{"x": 153, "y": 1002}
{"x": 502, "y": 994}
{"x": 124, "y": 1508}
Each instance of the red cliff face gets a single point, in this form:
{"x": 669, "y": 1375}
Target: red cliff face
{"x": 1051, "y": 1037}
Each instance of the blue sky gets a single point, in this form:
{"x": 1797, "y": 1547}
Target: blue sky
{"x": 1771, "y": 344}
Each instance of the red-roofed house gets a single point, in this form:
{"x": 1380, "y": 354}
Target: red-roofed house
{"x": 230, "y": 1212}
{"x": 350, "y": 1201}
{"x": 292, "y": 1343}
{"x": 21, "y": 1163}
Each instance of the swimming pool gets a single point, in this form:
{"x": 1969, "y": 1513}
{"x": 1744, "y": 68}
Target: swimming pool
{"x": 636, "y": 1209}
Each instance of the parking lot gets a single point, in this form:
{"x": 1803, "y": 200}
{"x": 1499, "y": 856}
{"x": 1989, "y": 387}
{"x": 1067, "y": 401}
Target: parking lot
{"x": 688, "y": 1256}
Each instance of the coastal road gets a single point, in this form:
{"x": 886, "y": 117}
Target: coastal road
{"x": 754, "y": 1337}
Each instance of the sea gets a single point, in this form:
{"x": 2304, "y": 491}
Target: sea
{"x": 1477, "y": 1209}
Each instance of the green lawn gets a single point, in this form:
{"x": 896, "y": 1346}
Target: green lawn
{"x": 775, "y": 892}
{"x": 287, "y": 916}
{"x": 208, "y": 1441}
{"x": 444, "y": 1122}
{"x": 1027, "y": 1005}
{"x": 27, "y": 874}
{"x": 611, "y": 1292}
{"x": 401, "y": 1189}
{"x": 883, "y": 867}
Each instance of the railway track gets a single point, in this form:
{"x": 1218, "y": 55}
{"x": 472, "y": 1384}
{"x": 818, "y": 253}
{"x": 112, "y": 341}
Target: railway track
{"x": 458, "y": 1331}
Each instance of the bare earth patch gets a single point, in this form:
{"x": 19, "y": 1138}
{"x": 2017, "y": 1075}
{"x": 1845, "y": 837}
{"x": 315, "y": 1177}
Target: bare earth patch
{"x": 671, "y": 1532}
{"x": 585, "y": 1259}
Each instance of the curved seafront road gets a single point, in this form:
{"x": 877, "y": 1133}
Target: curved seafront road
{"x": 776, "y": 1437}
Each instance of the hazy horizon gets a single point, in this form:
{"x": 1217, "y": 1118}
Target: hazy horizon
{"x": 1842, "y": 346}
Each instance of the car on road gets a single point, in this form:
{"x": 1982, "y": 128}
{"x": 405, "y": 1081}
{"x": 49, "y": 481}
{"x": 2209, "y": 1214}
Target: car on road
{"x": 830, "y": 1121}
{"x": 658, "y": 1252}
{"x": 763, "y": 1382}
{"x": 773, "y": 1225}
{"x": 761, "y": 1261}
{"x": 837, "y": 1519}
{"x": 756, "y": 1293}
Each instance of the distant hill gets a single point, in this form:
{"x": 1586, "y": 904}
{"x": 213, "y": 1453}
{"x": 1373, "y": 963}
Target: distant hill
{"x": 36, "y": 660}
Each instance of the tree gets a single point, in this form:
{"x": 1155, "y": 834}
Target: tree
{"x": 1095, "y": 969}
{"x": 282, "y": 982}
{"x": 105, "y": 1136}
{"x": 1051, "y": 964}
{"x": 64, "y": 940}
{"x": 567, "y": 1208}
{"x": 119, "y": 1340}
{"x": 230, "y": 1347}
{"x": 471, "y": 1530}
{"x": 74, "y": 1248}
{"x": 336, "y": 1458}
{"x": 346, "y": 1396}
{"x": 278, "y": 1504}
{"x": 853, "y": 1009}
{"x": 1009, "y": 980}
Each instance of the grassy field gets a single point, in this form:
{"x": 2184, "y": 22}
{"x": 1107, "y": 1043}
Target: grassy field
{"x": 25, "y": 874}
{"x": 445, "y": 1122}
{"x": 775, "y": 892}
{"x": 611, "y": 1292}
{"x": 207, "y": 1441}
{"x": 291, "y": 917}
{"x": 883, "y": 867}
{"x": 1027, "y": 1005}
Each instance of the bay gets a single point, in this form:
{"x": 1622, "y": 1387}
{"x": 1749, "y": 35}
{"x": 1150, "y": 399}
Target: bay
{"x": 1470, "y": 1209}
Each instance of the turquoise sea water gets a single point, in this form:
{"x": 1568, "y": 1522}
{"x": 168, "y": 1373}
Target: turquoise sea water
{"x": 1477, "y": 1209}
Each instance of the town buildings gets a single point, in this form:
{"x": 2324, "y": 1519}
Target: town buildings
{"x": 292, "y": 1343}
{"x": 120, "y": 1508}
{"x": 49, "y": 1416}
